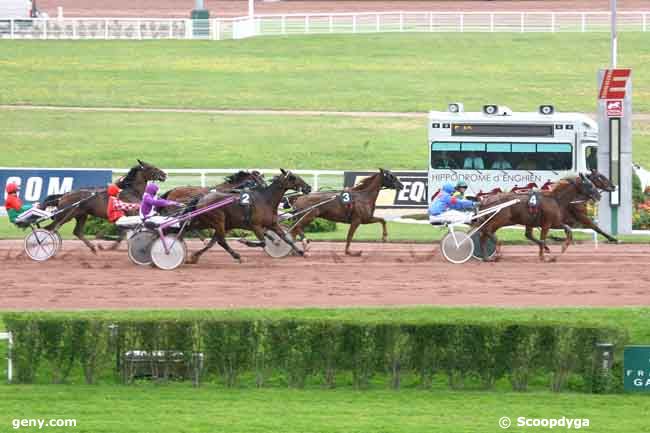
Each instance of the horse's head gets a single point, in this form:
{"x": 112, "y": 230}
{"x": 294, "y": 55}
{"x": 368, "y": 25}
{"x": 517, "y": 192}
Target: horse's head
{"x": 587, "y": 188}
{"x": 246, "y": 178}
{"x": 389, "y": 180}
{"x": 601, "y": 181}
{"x": 294, "y": 182}
{"x": 149, "y": 172}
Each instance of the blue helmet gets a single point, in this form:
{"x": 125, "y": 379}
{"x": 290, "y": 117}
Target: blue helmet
{"x": 448, "y": 188}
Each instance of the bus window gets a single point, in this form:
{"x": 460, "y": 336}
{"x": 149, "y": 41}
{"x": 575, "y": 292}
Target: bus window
{"x": 555, "y": 156}
{"x": 591, "y": 157}
{"x": 445, "y": 155}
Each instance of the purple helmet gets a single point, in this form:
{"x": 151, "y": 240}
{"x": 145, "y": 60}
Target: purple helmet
{"x": 151, "y": 188}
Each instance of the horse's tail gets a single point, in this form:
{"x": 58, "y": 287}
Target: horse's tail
{"x": 51, "y": 200}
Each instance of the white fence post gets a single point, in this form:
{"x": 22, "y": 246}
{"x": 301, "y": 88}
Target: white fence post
{"x": 44, "y": 28}
{"x": 491, "y": 23}
{"x": 306, "y": 24}
{"x": 354, "y": 23}
{"x": 11, "y": 31}
{"x": 522, "y": 22}
{"x": 74, "y": 29}
{"x": 315, "y": 183}
{"x": 203, "y": 180}
{"x": 401, "y": 21}
{"x": 462, "y": 22}
{"x": 331, "y": 24}
{"x": 584, "y": 23}
{"x": 645, "y": 22}
{"x": 552, "y": 22}
{"x": 430, "y": 21}
{"x": 105, "y": 29}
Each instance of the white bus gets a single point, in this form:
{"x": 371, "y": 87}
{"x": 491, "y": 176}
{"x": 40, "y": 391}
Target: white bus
{"x": 496, "y": 148}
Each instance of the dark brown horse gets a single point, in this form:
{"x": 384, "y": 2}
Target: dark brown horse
{"x": 260, "y": 214}
{"x": 354, "y": 206}
{"x": 549, "y": 212}
{"x": 184, "y": 194}
{"x": 132, "y": 186}
{"x": 576, "y": 213}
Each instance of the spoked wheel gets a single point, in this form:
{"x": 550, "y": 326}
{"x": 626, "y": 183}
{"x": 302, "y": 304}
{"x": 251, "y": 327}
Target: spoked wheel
{"x": 41, "y": 245}
{"x": 491, "y": 246}
{"x": 168, "y": 260}
{"x": 457, "y": 247}
{"x": 140, "y": 247}
{"x": 275, "y": 246}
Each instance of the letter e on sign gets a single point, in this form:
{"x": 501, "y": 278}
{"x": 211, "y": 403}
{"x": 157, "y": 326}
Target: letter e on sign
{"x": 614, "y": 83}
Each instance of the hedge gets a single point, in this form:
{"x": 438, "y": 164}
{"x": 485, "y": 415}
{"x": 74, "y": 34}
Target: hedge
{"x": 240, "y": 352}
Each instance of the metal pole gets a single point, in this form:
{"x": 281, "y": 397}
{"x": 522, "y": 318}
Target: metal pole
{"x": 614, "y": 34}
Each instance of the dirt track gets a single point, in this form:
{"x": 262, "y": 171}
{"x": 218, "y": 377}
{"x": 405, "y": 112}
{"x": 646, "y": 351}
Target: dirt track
{"x": 386, "y": 274}
{"x": 181, "y": 8}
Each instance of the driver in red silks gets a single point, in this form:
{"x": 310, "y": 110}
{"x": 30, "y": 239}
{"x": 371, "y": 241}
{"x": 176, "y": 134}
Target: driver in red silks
{"x": 116, "y": 208}
{"x": 13, "y": 204}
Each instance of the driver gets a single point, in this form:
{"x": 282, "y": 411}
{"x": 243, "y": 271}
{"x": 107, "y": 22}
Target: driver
{"x": 151, "y": 203}
{"x": 13, "y": 204}
{"x": 447, "y": 208}
{"x": 459, "y": 191}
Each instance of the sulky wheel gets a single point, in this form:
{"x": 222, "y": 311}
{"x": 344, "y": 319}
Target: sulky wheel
{"x": 171, "y": 259}
{"x": 41, "y": 245}
{"x": 140, "y": 247}
{"x": 275, "y": 246}
{"x": 491, "y": 247}
{"x": 457, "y": 247}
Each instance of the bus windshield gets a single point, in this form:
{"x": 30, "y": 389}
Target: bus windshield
{"x": 501, "y": 156}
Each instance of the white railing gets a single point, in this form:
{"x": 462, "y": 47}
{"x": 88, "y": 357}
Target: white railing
{"x": 207, "y": 177}
{"x": 291, "y": 24}
{"x": 10, "y": 343}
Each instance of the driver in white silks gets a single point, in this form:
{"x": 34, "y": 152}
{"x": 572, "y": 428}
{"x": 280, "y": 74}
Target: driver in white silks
{"x": 447, "y": 208}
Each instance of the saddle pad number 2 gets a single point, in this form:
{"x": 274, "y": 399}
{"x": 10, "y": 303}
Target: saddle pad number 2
{"x": 245, "y": 199}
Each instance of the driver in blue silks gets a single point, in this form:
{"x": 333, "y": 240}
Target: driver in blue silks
{"x": 447, "y": 208}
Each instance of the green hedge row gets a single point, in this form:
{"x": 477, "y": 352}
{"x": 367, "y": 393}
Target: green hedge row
{"x": 302, "y": 351}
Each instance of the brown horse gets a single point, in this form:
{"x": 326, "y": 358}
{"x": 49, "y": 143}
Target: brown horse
{"x": 258, "y": 214}
{"x": 184, "y": 194}
{"x": 354, "y": 206}
{"x": 549, "y": 212}
{"x": 132, "y": 186}
{"x": 576, "y": 213}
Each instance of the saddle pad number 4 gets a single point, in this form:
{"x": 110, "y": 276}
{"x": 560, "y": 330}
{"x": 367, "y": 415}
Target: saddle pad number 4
{"x": 346, "y": 198}
{"x": 533, "y": 201}
{"x": 245, "y": 199}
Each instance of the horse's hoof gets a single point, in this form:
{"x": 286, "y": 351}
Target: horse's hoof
{"x": 613, "y": 241}
{"x": 354, "y": 253}
{"x": 547, "y": 250}
{"x": 384, "y": 239}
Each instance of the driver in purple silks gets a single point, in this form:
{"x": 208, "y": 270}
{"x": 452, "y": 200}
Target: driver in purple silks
{"x": 150, "y": 203}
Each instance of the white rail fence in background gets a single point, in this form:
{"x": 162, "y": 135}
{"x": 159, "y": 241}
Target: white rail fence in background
{"x": 208, "y": 177}
{"x": 291, "y": 24}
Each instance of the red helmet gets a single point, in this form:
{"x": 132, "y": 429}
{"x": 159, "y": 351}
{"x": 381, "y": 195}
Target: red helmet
{"x": 113, "y": 190}
{"x": 11, "y": 188}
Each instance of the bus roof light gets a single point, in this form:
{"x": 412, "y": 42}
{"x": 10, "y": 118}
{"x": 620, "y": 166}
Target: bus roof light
{"x": 497, "y": 110}
{"x": 546, "y": 109}
{"x": 456, "y": 107}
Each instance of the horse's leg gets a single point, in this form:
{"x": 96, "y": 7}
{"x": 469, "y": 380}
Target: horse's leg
{"x": 384, "y": 235}
{"x": 298, "y": 229}
{"x": 79, "y": 232}
{"x": 543, "y": 234}
{"x": 569, "y": 237}
{"x": 353, "y": 228}
{"x": 194, "y": 258}
{"x": 588, "y": 223}
{"x": 531, "y": 237}
{"x": 221, "y": 240}
{"x": 285, "y": 236}
{"x": 121, "y": 235}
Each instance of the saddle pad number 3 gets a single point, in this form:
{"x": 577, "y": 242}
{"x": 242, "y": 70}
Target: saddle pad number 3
{"x": 346, "y": 198}
{"x": 245, "y": 199}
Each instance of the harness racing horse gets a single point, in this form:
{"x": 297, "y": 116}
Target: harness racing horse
{"x": 132, "y": 186}
{"x": 355, "y": 206}
{"x": 256, "y": 210}
{"x": 241, "y": 179}
{"x": 549, "y": 211}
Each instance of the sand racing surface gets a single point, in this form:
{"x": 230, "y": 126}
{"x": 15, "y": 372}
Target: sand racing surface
{"x": 385, "y": 275}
